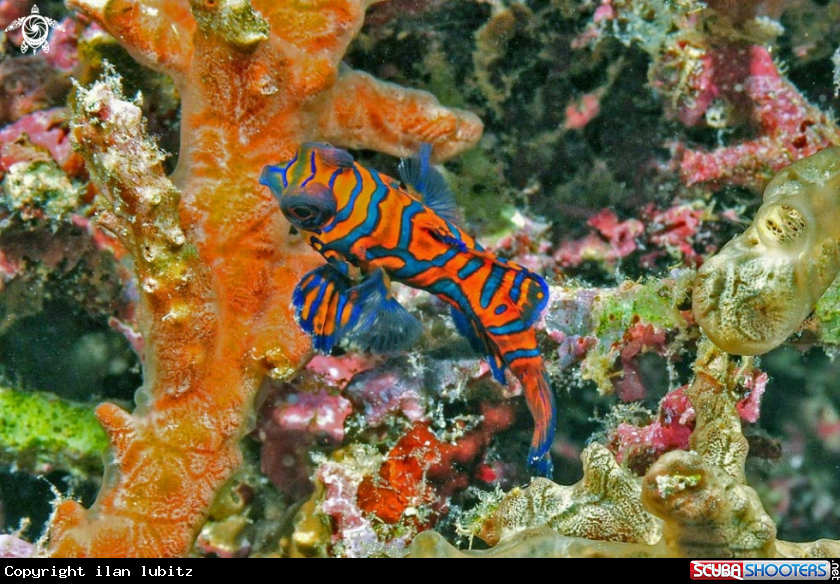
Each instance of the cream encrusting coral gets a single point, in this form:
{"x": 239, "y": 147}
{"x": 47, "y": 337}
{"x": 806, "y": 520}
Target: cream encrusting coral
{"x": 759, "y": 288}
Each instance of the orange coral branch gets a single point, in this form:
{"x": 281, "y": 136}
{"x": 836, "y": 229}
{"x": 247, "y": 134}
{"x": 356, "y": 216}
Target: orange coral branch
{"x": 215, "y": 305}
{"x": 357, "y": 109}
{"x": 152, "y": 459}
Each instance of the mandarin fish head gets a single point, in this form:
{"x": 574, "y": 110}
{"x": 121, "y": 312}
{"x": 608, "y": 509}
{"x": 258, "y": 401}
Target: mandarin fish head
{"x": 308, "y": 207}
{"x": 303, "y": 185}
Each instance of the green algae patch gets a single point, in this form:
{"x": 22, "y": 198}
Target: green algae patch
{"x": 641, "y": 312}
{"x": 827, "y": 314}
{"x": 655, "y": 303}
{"x": 40, "y": 433}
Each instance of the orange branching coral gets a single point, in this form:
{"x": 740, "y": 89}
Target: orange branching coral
{"x": 212, "y": 252}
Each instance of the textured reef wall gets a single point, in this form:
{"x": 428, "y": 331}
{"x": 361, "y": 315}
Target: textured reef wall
{"x": 617, "y": 147}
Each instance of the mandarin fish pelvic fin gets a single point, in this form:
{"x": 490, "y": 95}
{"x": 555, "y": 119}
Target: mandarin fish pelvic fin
{"x": 329, "y": 308}
{"x": 475, "y": 335}
{"x": 418, "y": 173}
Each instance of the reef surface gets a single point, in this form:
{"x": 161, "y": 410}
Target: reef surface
{"x": 151, "y": 369}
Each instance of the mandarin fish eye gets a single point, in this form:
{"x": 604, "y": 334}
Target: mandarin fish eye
{"x": 310, "y": 207}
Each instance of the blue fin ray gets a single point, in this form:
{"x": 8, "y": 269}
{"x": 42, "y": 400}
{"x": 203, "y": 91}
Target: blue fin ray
{"x": 419, "y": 174}
{"x": 384, "y": 324}
{"x": 329, "y": 308}
{"x": 324, "y": 306}
{"x": 478, "y": 343}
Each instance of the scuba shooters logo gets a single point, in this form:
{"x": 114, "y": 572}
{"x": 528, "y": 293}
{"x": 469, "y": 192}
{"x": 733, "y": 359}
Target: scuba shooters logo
{"x": 765, "y": 570}
{"x": 35, "y": 30}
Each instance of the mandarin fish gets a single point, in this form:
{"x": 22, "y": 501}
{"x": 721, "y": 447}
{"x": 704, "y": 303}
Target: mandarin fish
{"x": 371, "y": 230}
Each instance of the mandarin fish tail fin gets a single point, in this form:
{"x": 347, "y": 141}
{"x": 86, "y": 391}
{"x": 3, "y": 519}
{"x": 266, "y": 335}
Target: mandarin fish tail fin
{"x": 498, "y": 321}
{"x": 540, "y": 398}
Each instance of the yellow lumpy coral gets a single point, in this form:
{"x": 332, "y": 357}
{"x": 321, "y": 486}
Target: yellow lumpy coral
{"x": 759, "y": 288}
{"x": 604, "y": 504}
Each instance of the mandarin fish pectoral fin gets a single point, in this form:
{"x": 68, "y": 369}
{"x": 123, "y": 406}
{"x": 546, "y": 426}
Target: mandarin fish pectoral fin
{"x": 329, "y": 308}
{"x": 384, "y": 324}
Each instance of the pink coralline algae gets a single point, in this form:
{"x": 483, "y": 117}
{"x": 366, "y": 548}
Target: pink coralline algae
{"x": 64, "y": 45}
{"x": 621, "y": 235}
{"x": 11, "y": 10}
{"x": 721, "y": 80}
{"x": 637, "y": 340}
{"x": 311, "y": 413}
{"x": 14, "y": 547}
{"x": 615, "y": 240}
{"x": 788, "y": 126}
{"x": 640, "y": 446}
{"x": 291, "y": 426}
{"x": 673, "y": 231}
{"x": 582, "y": 111}
{"x": 381, "y": 393}
{"x": 669, "y": 233}
{"x": 339, "y": 371}
{"x": 41, "y": 135}
{"x": 29, "y": 84}
{"x": 749, "y": 408}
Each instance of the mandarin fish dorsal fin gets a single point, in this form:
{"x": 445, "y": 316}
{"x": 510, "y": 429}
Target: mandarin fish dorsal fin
{"x": 328, "y": 155}
{"x": 418, "y": 173}
{"x": 384, "y": 324}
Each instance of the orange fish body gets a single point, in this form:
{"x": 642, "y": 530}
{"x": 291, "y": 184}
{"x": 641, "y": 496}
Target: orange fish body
{"x": 371, "y": 229}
